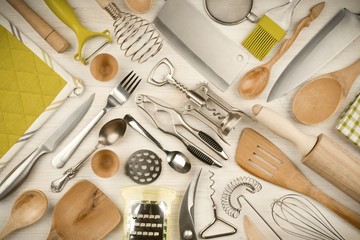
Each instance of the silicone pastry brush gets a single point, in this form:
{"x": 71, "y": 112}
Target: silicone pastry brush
{"x": 270, "y": 29}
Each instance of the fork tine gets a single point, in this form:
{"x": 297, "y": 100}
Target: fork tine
{"x": 125, "y": 78}
{"x": 131, "y": 90}
{"x": 126, "y": 84}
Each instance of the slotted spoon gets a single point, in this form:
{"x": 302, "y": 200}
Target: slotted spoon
{"x": 263, "y": 159}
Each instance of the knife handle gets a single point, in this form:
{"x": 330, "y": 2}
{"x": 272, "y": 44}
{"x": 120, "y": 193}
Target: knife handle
{"x": 284, "y": 128}
{"x": 20, "y": 172}
{"x": 202, "y": 156}
{"x": 64, "y": 155}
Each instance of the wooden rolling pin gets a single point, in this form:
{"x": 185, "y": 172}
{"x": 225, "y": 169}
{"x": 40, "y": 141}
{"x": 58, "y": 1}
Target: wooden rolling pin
{"x": 46, "y": 31}
{"x": 321, "y": 154}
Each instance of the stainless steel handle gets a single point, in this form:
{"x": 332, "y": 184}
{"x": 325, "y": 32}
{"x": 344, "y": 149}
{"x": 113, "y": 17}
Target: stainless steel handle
{"x": 64, "y": 155}
{"x": 20, "y": 172}
{"x": 58, "y": 184}
{"x": 140, "y": 129}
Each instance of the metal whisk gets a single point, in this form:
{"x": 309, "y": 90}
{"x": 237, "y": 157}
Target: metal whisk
{"x": 299, "y": 217}
{"x": 136, "y": 36}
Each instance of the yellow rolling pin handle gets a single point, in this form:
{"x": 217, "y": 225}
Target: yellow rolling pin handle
{"x": 65, "y": 13}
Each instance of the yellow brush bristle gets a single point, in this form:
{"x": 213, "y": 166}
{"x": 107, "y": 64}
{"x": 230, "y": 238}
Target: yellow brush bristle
{"x": 263, "y": 38}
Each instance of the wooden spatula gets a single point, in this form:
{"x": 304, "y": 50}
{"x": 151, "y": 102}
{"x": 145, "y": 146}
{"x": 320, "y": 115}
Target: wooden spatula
{"x": 84, "y": 212}
{"x": 263, "y": 159}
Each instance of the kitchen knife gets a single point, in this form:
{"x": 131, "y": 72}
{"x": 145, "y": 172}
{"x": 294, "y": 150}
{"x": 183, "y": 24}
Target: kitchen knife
{"x": 22, "y": 170}
{"x": 338, "y": 33}
{"x": 321, "y": 154}
{"x": 208, "y": 50}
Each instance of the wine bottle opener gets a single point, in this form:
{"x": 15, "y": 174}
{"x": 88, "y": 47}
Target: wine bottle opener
{"x": 203, "y": 103}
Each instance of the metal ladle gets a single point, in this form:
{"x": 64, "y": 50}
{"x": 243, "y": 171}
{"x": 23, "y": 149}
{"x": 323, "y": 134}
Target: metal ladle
{"x": 108, "y": 135}
{"x": 177, "y": 160}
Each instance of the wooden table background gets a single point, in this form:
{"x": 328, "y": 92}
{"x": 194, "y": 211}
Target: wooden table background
{"x": 93, "y": 17}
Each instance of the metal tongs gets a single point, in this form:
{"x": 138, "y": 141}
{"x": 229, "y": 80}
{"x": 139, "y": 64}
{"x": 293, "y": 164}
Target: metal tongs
{"x": 153, "y": 107}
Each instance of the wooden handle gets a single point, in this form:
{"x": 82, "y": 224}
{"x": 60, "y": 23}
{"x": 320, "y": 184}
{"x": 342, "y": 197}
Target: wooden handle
{"x": 347, "y": 76}
{"x": 54, "y": 235}
{"x": 336, "y": 165}
{"x": 284, "y": 128}
{"x": 252, "y": 232}
{"x": 305, "y": 22}
{"x": 46, "y": 31}
{"x": 341, "y": 210}
{"x": 9, "y": 228}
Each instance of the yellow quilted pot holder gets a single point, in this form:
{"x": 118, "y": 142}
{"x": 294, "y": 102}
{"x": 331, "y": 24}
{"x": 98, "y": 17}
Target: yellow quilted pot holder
{"x": 28, "y": 90}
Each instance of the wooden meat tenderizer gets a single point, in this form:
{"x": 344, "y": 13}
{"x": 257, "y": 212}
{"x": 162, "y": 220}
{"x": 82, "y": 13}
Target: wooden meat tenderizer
{"x": 322, "y": 155}
{"x": 47, "y": 32}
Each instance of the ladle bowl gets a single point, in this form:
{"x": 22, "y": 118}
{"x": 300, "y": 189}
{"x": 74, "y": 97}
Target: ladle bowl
{"x": 253, "y": 83}
{"x": 319, "y": 99}
{"x": 28, "y": 208}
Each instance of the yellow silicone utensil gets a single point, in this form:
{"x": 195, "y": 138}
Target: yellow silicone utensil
{"x": 64, "y": 12}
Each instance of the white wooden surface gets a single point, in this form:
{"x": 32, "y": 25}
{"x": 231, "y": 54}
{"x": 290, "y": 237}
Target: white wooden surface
{"x": 93, "y": 17}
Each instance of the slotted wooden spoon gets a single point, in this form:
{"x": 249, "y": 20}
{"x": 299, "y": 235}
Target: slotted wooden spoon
{"x": 84, "y": 212}
{"x": 263, "y": 159}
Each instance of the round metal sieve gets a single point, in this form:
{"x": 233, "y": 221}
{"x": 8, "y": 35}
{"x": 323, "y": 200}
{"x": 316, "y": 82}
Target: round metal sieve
{"x": 230, "y": 12}
{"x": 143, "y": 166}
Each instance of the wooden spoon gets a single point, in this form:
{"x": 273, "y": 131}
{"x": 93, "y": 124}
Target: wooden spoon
{"x": 139, "y": 6}
{"x": 318, "y": 99}
{"x": 28, "y": 208}
{"x": 253, "y": 83}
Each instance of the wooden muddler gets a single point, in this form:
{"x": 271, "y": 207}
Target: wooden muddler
{"x": 46, "y": 31}
{"x": 321, "y": 154}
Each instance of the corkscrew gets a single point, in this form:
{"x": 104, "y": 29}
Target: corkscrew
{"x": 216, "y": 217}
{"x": 136, "y": 36}
{"x": 203, "y": 103}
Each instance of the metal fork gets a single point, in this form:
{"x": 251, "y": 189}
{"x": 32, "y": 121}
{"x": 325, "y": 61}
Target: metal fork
{"x": 116, "y": 98}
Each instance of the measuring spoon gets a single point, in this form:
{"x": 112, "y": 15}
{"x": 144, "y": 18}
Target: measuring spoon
{"x": 108, "y": 135}
{"x": 318, "y": 99}
{"x": 28, "y": 208}
{"x": 177, "y": 160}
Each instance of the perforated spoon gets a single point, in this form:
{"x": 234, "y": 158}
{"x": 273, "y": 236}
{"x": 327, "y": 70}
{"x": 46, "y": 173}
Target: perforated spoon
{"x": 28, "y": 208}
{"x": 318, "y": 99}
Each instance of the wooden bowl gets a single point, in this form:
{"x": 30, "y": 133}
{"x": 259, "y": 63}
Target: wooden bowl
{"x": 105, "y": 163}
{"x": 104, "y": 67}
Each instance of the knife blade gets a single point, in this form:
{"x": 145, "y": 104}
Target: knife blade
{"x": 22, "y": 170}
{"x": 338, "y": 33}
